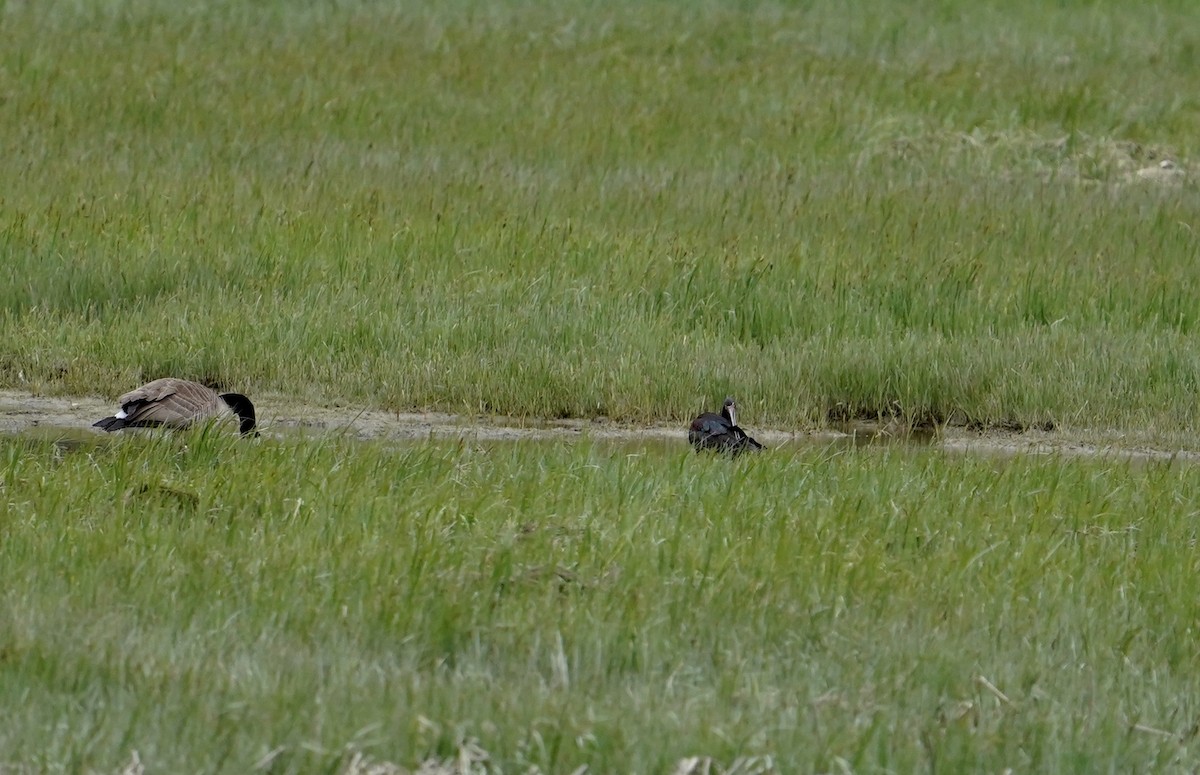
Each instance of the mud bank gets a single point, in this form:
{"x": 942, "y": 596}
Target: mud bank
{"x": 21, "y": 412}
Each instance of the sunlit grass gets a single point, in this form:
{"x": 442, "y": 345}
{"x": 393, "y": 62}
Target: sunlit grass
{"x": 628, "y": 210}
{"x": 625, "y": 211}
{"x": 205, "y": 601}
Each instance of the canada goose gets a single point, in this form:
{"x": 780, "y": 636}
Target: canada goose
{"x": 177, "y": 403}
{"x": 720, "y": 432}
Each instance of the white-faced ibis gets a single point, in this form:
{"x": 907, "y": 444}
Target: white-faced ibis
{"x": 177, "y": 403}
{"x": 720, "y": 432}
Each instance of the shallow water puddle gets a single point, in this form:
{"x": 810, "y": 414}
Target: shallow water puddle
{"x": 65, "y": 440}
{"x": 67, "y": 422}
{"x": 655, "y": 442}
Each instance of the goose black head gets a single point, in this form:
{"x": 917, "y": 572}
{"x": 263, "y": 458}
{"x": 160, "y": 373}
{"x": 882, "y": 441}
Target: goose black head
{"x": 729, "y": 410}
{"x": 244, "y": 409}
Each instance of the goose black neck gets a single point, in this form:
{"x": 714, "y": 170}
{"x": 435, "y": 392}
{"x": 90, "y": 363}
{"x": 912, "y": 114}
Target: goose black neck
{"x": 243, "y": 409}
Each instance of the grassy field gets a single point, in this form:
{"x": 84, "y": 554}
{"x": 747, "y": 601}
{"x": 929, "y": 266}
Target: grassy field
{"x": 629, "y": 210}
{"x": 211, "y": 604}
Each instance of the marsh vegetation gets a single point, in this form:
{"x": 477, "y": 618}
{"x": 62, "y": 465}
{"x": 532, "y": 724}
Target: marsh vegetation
{"x": 931, "y": 213}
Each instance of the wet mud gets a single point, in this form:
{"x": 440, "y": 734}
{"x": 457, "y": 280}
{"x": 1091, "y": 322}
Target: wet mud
{"x": 68, "y": 420}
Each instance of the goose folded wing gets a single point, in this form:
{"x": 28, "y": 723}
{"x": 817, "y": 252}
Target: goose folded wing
{"x": 150, "y": 392}
{"x": 173, "y": 402}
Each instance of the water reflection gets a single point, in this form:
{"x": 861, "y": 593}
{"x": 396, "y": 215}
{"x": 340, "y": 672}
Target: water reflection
{"x": 865, "y": 434}
{"x": 64, "y": 440}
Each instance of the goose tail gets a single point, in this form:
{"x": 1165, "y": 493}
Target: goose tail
{"x": 110, "y": 424}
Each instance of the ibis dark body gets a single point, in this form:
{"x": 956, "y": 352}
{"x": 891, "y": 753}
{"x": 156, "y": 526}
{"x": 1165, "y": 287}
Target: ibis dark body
{"x": 720, "y": 432}
{"x": 178, "y": 403}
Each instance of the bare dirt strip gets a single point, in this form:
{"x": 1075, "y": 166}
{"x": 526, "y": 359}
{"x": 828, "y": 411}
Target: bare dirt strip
{"x": 21, "y": 412}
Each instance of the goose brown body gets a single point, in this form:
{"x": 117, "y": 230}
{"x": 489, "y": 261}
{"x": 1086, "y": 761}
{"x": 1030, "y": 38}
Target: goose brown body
{"x": 178, "y": 403}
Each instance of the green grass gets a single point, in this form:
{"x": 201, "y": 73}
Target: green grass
{"x": 587, "y": 209}
{"x": 623, "y": 210}
{"x": 205, "y": 602}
